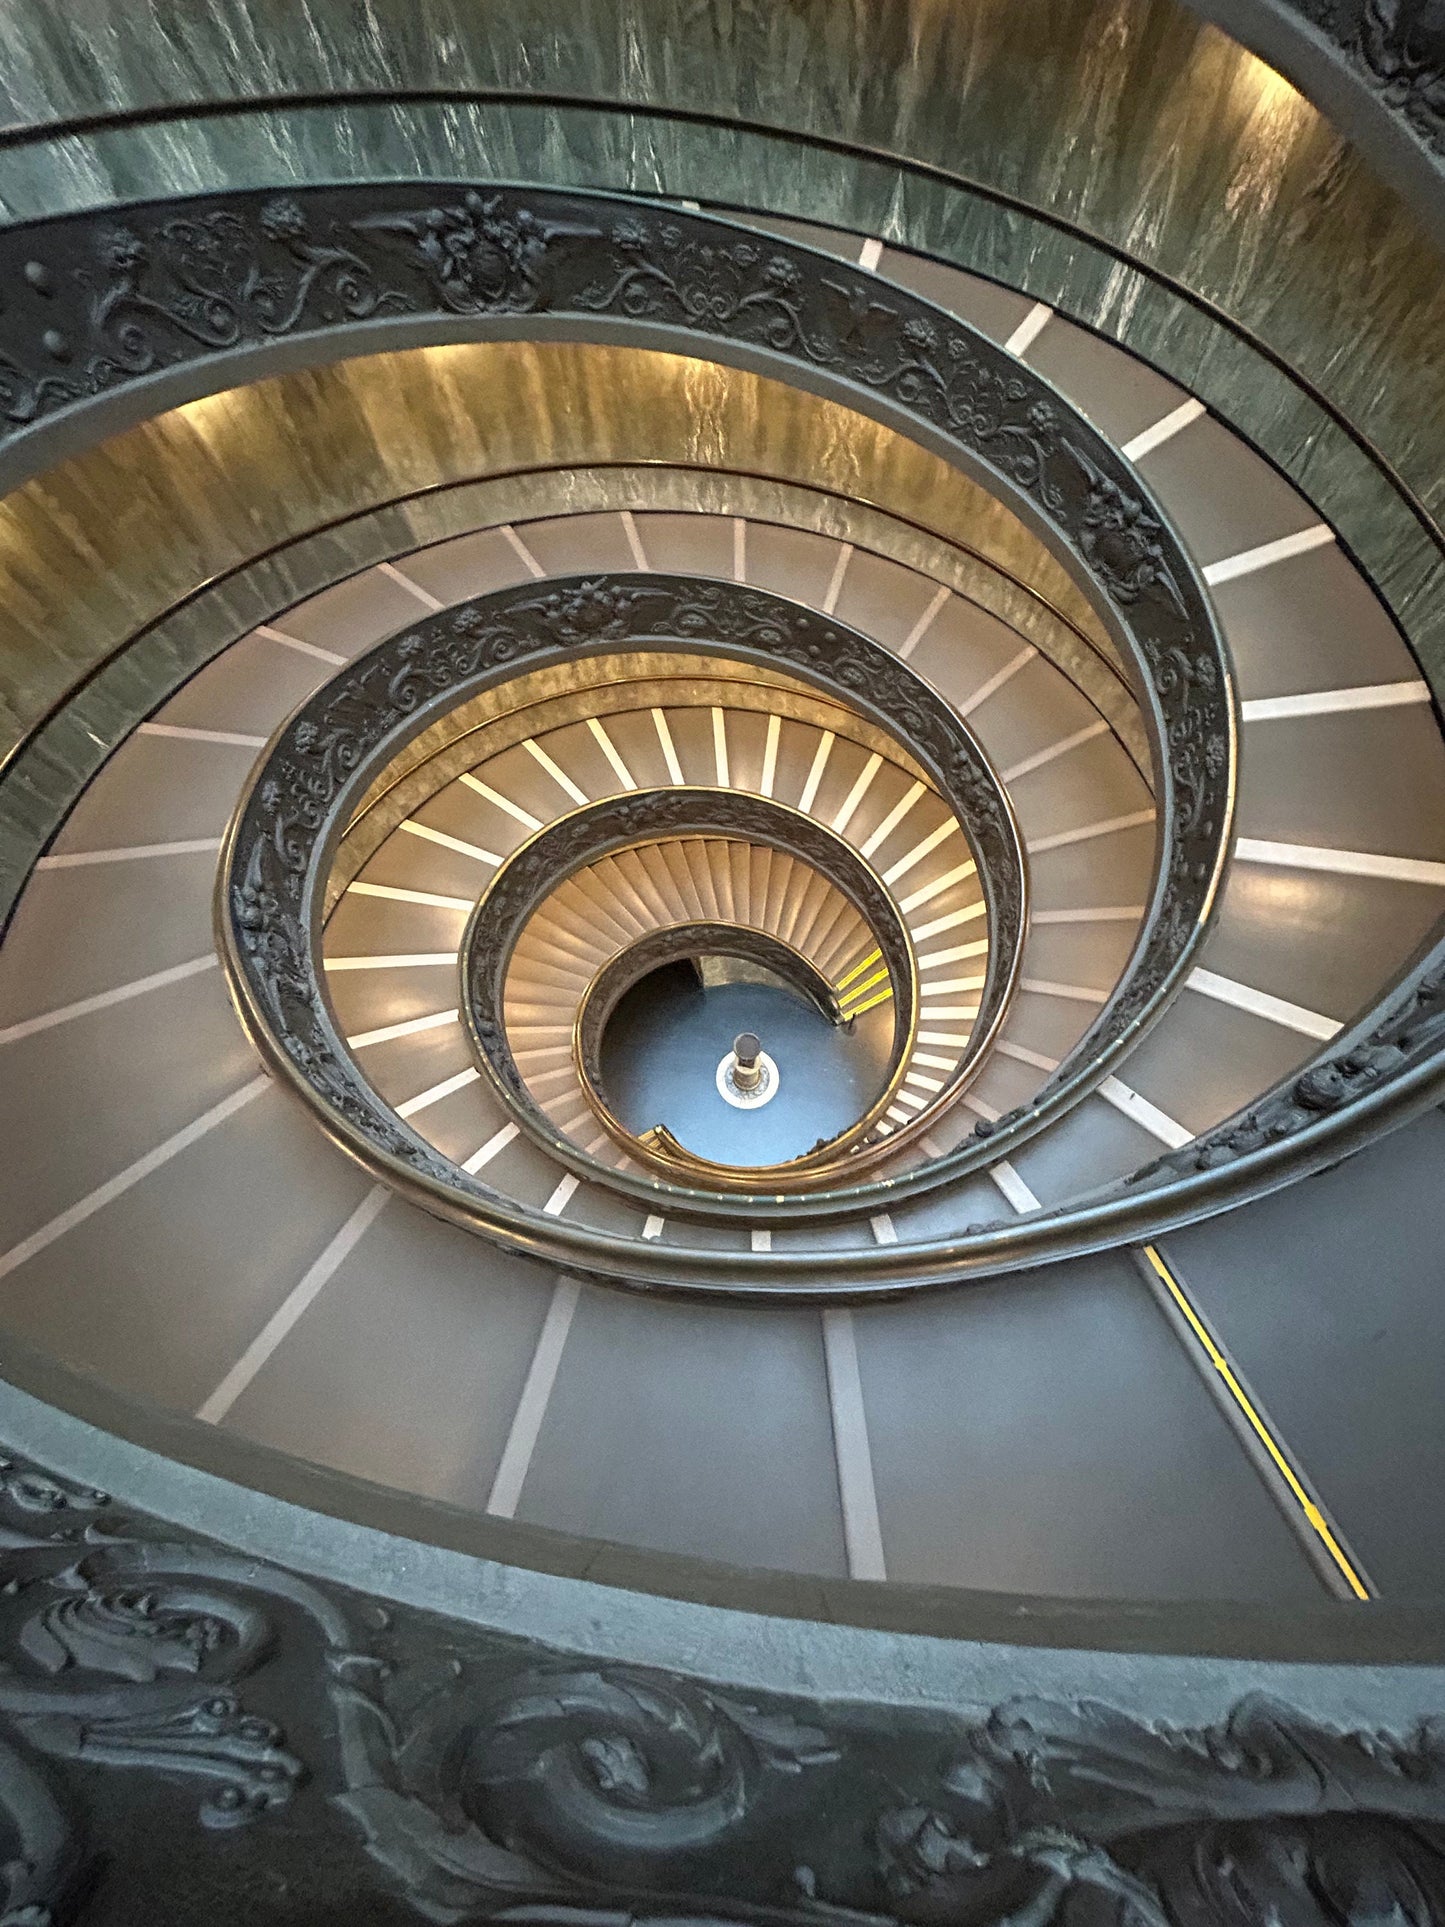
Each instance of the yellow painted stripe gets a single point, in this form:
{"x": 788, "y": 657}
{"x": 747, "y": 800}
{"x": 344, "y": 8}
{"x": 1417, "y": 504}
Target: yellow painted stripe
{"x": 858, "y": 969}
{"x": 878, "y": 977}
{"x": 872, "y": 1003}
{"x": 1312, "y": 1513}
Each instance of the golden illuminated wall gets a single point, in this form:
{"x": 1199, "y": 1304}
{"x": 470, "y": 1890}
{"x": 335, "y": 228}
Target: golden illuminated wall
{"x": 102, "y": 545}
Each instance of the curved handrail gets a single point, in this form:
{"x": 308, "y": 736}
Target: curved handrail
{"x": 674, "y": 944}
{"x": 271, "y": 886}
{"x": 530, "y": 261}
{"x": 1326, "y": 1136}
{"x": 551, "y": 855}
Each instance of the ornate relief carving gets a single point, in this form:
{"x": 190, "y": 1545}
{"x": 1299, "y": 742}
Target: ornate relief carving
{"x": 447, "y": 1773}
{"x": 1408, "y": 1031}
{"x": 196, "y": 279}
{"x": 336, "y": 742}
{"x": 523, "y": 884}
{"x": 676, "y": 944}
{"x": 1398, "y": 49}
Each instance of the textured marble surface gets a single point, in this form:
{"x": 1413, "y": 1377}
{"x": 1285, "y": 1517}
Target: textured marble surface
{"x": 101, "y": 546}
{"x": 972, "y": 229}
{"x": 1129, "y": 119}
{"x": 50, "y": 768}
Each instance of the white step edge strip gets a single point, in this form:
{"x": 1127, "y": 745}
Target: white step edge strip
{"x": 923, "y": 1082}
{"x": 1103, "y": 913}
{"x": 721, "y": 764}
{"x": 116, "y": 1187}
{"x": 1347, "y": 863}
{"x": 402, "y": 960}
{"x": 668, "y": 747}
{"x": 297, "y": 1301}
{"x": 531, "y": 1410}
{"x": 870, "y": 254}
{"x": 815, "y": 770}
{"x": 104, "y": 999}
{"x": 404, "y": 581}
{"x": 653, "y": 1226}
{"x": 924, "y": 623}
{"x": 562, "y": 1195}
{"x": 835, "y": 581}
{"x": 740, "y": 549}
{"x": 609, "y": 749}
{"x": 855, "y": 796}
{"x": 445, "y": 842}
{"x": 634, "y": 539}
{"x": 1164, "y": 430}
{"x": 1158, "y": 1123}
{"x": 82, "y": 859}
{"x": 1029, "y": 329}
{"x": 424, "y": 1100}
{"x": 184, "y": 733}
{"x": 1249, "y": 561}
{"x": 970, "y": 913}
{"x": 770, "y": 755}
{"x": 858, "y": 1496}
{"x": 1334, "y": 702}
{"x": 1013, "y": 1186}
{"x": 1061, "y": 839}
{"x": 1075, "y": 993}
{"x": 409, "y": 1027}
{"x": 929, "y": 891}
{"x": 524, "y": 554}
{"x": 1262, "y": 1003}
{"x": 930, "y": 843}
{"x": 503, "y": 803}
{"x": 299, "y": 644}
{"x": 1023, "y": 1055}
{"x": 393, "y": 893}
{"x": 761, "y": 1238}
{"x": 997, "y": 680}
{"x": 1041, "y": 758}
{"x": 498, "y": 1141}
{"x": 960, "y": 953}
{"x": 555, "y": 770}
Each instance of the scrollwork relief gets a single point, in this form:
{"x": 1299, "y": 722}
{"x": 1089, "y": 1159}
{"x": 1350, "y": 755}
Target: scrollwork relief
{"x": 102, "y": 301}
{"x": 1407, "y": 1031}
{"x": 186, "y": 280}
{"x": 521, "y": 887}
{"x": 1397, "y": 47}
{"x": 340, "y": 739}
{"x": 448, "y": 1773}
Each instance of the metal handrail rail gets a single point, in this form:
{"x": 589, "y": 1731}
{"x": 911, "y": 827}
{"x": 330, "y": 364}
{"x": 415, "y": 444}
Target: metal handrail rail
{"x": 549, "y": 856}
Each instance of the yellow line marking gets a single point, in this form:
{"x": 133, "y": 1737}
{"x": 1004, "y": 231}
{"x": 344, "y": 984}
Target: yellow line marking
{"x": 872, "y": 1003}
{"x": 878, "y": 977}
{"x": 1287, "y": 1472}
{"x": 858, "y": 969}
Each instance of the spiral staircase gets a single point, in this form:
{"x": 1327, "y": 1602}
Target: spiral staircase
{"x": 722, "y": 1007}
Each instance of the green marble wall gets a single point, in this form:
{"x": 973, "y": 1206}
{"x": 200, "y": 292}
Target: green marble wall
{"x": 101, "y": 547}
{"x": 1129, "y": 119}
{"x": 1220, "y": 180}
{"x": 49, "y": 769}
{"x": 1024, "y": 129}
